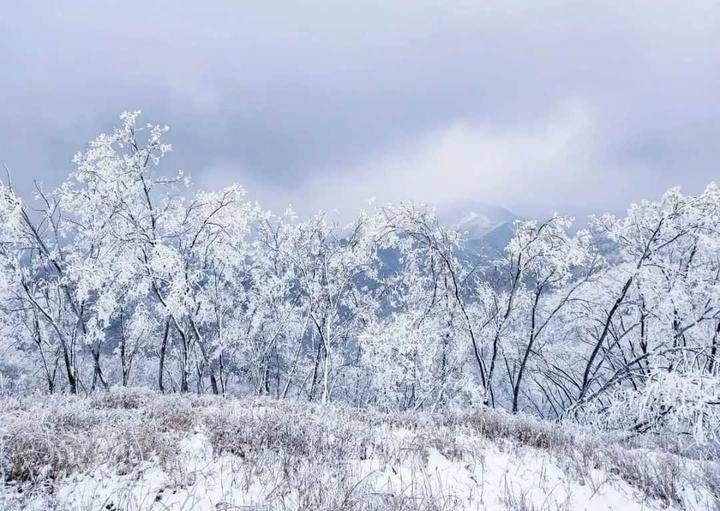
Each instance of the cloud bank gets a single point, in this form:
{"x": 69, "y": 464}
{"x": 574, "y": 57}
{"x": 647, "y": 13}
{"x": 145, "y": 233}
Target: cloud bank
{"x": 538, "y": 106}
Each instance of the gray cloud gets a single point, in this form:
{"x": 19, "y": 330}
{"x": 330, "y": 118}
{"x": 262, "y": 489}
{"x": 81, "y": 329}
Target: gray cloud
{"x": 539, "y": 106}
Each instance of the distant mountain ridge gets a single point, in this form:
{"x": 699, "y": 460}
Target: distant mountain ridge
{"x": 474, "y": 218}
{"x": 486, "y": 228}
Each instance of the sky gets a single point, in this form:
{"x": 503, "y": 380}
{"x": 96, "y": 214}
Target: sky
{"x": 537, "y": 106}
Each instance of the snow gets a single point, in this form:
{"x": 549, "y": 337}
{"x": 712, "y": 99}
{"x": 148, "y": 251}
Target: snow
{"x": 496, "y": 477}
{"x": 501, "y": 479}
{"x": 126, "y": 276}
{"x": 197, "y": 481}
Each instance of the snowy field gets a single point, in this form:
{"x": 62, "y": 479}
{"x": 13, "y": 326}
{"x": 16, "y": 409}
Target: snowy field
{"x": 135, "y": 449}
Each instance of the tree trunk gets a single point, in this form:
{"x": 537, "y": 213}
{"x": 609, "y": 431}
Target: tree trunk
{"x": 97, "y": 370}
{"x": 714, "y": 349}
{"x": 163, "y": 349}
{"x": 528, "y": 349}
{"x": 326, "y": 376}
{"x": 601, "y": 339}
{"x": 316, "y": 366}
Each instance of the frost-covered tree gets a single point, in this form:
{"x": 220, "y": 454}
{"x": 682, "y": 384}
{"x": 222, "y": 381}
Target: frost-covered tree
{"x": 415, "y": 354}
{"x": 126, "y": 274}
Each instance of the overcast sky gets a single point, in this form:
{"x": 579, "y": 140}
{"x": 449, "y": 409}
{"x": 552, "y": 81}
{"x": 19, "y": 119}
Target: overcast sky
{"x": 540, "y": 106}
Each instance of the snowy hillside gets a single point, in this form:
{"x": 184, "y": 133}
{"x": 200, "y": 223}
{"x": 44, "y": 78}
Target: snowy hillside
{"x": 474, "y": 219}
{"x": 607, "y": 336}
{"x": 486, "y": 229}
{"x": 134, "y": 449}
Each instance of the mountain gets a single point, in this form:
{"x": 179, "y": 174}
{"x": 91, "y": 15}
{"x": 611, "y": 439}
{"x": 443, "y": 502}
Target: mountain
{"x": 486, "y": 228}
{"x": 474, "y": 219}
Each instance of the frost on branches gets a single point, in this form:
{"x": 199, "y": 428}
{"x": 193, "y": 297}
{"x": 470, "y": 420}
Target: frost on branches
{"x": 127, "y": 275}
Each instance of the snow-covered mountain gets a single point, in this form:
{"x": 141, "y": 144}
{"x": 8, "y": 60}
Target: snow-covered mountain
{"x": 486, "y": 228}
{"x": 473, "y": 218}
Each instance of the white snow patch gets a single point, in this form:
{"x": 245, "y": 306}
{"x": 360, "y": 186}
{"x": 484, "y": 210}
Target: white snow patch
{"x": 491, "y": 478}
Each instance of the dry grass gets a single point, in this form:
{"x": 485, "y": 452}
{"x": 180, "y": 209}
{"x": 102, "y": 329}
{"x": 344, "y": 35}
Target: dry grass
{"x": 304, "y": 448}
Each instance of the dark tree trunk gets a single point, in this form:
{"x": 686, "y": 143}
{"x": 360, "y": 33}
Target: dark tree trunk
{"x": 163, "y": 349}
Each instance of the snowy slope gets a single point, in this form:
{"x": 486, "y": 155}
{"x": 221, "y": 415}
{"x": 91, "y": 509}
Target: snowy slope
{"x": 510, "y": 477}
{"x": 485, "y": 228}
{"x": 473, "y": 218}
{"x": 135, "y": 450}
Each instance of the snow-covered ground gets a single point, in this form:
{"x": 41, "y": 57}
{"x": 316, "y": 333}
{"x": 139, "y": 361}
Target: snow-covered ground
{"x": 137, "y": 450}
{"x": 495, "y": 479}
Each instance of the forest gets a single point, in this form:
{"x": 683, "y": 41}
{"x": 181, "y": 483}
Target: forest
{"x": 127, "y": 275}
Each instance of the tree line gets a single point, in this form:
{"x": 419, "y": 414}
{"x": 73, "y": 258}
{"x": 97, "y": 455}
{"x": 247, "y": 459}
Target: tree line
{"x": 124, "y": 275}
